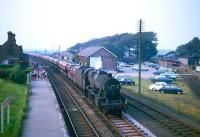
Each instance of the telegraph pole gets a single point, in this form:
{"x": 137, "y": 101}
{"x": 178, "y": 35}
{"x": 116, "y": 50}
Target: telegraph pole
{"x": 52, "y": 49}
{"x": 59, "y": 50}
{"x": 139, "y": 56}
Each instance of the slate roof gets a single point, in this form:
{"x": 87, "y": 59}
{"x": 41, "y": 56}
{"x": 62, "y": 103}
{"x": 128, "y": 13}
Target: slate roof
{"x": 91, "y": 50}
{"x": 163, "y": 52}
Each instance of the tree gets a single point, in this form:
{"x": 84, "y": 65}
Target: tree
{"x": 190, "y": 49}
{"x": 126, "y": 43}
{"x": 148, "y": 45}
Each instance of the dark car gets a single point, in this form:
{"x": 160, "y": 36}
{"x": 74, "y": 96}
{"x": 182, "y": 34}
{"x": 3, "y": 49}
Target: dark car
{"x": 171, "y": 89}
{"x": 126, "y": 81}
{"x": 161, "y": 79}
{"x": 120, "y": 70}
{"x": 157, "y": 72}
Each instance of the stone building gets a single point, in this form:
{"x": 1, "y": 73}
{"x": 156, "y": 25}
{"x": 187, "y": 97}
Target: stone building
{"x": 98, "y": 57}
{"x": 10, "y": 51}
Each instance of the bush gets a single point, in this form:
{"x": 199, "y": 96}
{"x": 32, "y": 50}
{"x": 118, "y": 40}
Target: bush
{"x": 4, "y": 74}
{"x": 17, "y": 75}
{"x": 28, "y": 69}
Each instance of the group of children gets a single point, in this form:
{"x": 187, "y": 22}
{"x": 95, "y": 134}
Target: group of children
{"x": 38, "y": 72}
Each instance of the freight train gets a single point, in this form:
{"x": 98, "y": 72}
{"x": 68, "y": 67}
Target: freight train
{"x": 101, "y": 89}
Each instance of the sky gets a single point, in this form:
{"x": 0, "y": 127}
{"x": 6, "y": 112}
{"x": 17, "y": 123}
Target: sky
{"x": 46, "y": 24}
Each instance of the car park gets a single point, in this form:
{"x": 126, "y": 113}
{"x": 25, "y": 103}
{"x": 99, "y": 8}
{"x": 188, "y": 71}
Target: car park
{"x": 156, "y": 86}
{"x": 171, "y": 89}
{"x": 161, "y": 79}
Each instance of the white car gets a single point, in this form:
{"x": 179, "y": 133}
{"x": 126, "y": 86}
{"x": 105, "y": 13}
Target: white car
{"x": 156, "y": 86}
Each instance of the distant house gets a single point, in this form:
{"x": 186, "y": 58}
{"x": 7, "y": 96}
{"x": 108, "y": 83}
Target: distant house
{"x": 10, "y": 52}
{"x": 98, "y": 57}
{"x": 166, "y": 55}
{"x": 167, "y": 58}
{"x": 68, "y": 56}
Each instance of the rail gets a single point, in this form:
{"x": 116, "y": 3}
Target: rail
{"x": 175, "y": 126}
{"x": 118, "y": 125}
{"x": 78, "y": 120}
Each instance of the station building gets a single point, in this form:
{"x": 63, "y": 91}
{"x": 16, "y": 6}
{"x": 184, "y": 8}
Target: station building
{"x": 98, "y": 57}
{"x": 192, "y": 62}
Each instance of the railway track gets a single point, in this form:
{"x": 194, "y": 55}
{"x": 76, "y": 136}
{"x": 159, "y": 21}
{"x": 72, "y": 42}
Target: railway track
{"x": 118, "y": 125}
{"x": 193, "y": 82}
{"x": 80, "y": 124}
{"x": 178, "y": 128}
{"x": 126, "y": 129}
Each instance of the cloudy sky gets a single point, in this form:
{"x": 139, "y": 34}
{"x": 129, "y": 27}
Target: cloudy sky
{"x": 46, "y": 24}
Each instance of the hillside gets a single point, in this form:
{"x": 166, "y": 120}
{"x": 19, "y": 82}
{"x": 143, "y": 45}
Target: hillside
{"x": 124, "y": 46}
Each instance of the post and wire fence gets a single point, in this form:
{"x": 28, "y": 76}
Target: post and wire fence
{"x": 5, "y": 105}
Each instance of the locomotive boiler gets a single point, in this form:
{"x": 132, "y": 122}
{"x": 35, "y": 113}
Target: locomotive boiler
{"x": 104, "y": 91}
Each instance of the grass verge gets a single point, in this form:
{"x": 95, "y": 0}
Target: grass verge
{"x": 187, "y": 103}
{"x": 18, "y": 100}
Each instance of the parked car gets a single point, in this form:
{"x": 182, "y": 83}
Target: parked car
{"x": 170, "y": 75}
{"x": 158, "y": 72}
{"x": 163, "y": 69}
{"x": 171, "y": 89}
{"x": 131, "y": 63}
{"x": 161, "y": 79}
{"x": 125, "y": 80}
{"x": 143, "y": 68}
{"x": 153, "y": 65}
{"x": 119, "y": 70}
{"x": 156, "y": 86}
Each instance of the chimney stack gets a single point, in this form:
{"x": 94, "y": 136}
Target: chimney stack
{"x": 11, "y": 37}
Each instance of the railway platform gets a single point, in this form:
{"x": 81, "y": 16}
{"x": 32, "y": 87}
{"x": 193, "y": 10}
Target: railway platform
{"x": 44, "y": 118}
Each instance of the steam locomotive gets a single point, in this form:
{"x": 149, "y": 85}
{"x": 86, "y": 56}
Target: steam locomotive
{"x": 98, "y": 86}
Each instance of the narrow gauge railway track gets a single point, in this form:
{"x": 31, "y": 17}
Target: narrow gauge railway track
{"x": 178, "y": 128}
{"x": 194, "y": 83}
{"x": 123, "y": 127}
{"x": 80, "y": 124}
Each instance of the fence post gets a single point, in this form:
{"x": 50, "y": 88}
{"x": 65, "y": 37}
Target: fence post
{"x": 178, "y": 105}
{"x": 2, "y": 119}
{"x": 27, "y": 78}
{"x": 8, "y": 114}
